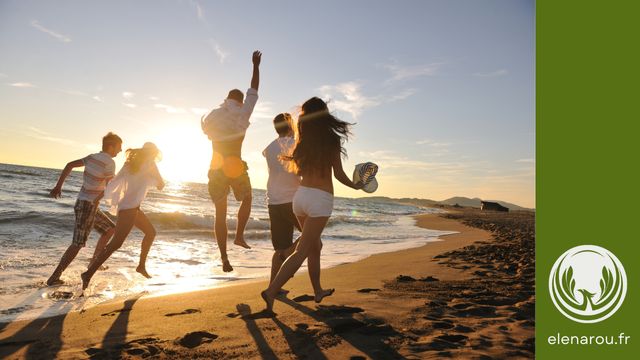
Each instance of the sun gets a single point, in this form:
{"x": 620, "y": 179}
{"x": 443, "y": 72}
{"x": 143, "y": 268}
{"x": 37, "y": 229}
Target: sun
{"x": 186, "y": 154}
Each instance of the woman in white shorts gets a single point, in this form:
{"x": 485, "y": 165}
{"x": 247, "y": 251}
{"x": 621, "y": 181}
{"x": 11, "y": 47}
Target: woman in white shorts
{"x": 317, "y": 153}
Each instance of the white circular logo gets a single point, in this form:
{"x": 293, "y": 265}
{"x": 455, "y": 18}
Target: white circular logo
{"x": 588, "y": 283}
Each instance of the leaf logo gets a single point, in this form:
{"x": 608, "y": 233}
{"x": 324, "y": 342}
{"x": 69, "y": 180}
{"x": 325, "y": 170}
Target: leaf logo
{"x": 588, "y": 284}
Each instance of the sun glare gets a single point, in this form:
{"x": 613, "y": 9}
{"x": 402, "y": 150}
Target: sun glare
{"x": 185, "y": 154}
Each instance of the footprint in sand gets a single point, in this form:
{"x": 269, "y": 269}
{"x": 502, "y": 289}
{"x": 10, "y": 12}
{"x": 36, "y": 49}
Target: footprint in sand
{"x": 186, "y": 312}
{"x": 443, "y": 325}
{"x": 115, "y": 312}
{"x": 195, "y": 339}
{"x": 336, "y": 309}
{"x": 367, "y": 290}
{"x": 140, "y": 348}
{"x": 452, "y": 338}
{"x": 59, "y": 295}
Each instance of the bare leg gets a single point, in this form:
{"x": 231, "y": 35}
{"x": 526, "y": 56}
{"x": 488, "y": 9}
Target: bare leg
{"x": 311, "y": 230}
{"x": 67, "y": 258}
{"x": 126, "y": 220}
{"x": 276, "y": 263}
{"x": 313, "y": 264}
{"x": 102, "y": 242}
{"x": 243, "y": 218}
{"x": 284, "y": 254}
{"x": 220, "y": 228}
{"x": 144, "y": 224}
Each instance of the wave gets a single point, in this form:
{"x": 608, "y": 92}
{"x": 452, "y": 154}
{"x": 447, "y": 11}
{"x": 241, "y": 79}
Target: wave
{"x": 180, "y": 221}
{"x": 36, "y": 218}
{"x": 11, "y": 173}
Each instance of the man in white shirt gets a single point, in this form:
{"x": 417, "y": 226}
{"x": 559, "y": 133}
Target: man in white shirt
{"x": 99, "y": 170}
{"x": 281, "y": 188}
{"x": 226, "y": 127}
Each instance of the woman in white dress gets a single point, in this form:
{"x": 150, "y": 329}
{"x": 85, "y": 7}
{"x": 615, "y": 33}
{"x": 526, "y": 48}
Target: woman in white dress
{"x": 125, "y": 193}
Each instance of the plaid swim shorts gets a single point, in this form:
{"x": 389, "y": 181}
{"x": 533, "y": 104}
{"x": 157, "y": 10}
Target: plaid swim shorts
{"x": 89, "y": 217}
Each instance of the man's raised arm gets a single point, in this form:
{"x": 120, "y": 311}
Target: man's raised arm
{"x": 255, "y": 78}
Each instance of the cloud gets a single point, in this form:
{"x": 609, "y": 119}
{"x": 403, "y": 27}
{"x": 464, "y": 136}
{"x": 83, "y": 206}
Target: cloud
{"x": 127, "y": 95}
{"x": 526, "y": 160}
{"x": 98, "y": 98}
{"x": 3, "y": 75}
{"x": 396, "y": 165}
{"x": 347, "y": 97}
{"x": 53, "y": 139}
{"x": 170, "y": 109}
{"x": 438, "y": 152}
{"x": 492, "y": 74}
{"x": 433, "y": 143}
{"x": 72, "y": 92}
{"x": 37, "y": 130}
{"x": 403, "y": 95}
{"x": 405, "y": 72}
{"x": 136, "y": 120}
{"x": 22, "y": 84}
{"x": 199, "y": 111}
{"x": 50, "y": 32}
{"x": 130, "y": 105}
{"x": 195, "y": 6}
{"x": 222, "y": 54}
{"x": 263, "y": 111}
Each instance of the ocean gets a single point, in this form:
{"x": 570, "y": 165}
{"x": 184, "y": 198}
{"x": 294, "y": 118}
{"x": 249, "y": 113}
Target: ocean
{"x": 35, "y": 230}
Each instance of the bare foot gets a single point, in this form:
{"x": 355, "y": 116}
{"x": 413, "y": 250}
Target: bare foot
{"x": 143, "y": 272}
{"x": 283, "y": 291}
{"x": 241, "y": 242}
{"x": 85, "y": 280}
{"x": 268, "y": 301}
{"x": 226, "y": 266}
{"x": 324, "y": 294}
{"x": 57, "y": 281}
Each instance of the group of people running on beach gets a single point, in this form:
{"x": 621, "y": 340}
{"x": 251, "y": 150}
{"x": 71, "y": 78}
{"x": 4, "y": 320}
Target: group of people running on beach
{"x": 301, "y": 162}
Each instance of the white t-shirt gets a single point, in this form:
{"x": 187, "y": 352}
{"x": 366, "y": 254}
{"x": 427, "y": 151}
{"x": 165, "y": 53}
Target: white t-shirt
{"x": 126, "y": 190}
{"x": 97, "y": 168}
{"x": 282, "y": 185}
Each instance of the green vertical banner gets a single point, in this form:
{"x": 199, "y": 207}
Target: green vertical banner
{"x": 587, "y": 202}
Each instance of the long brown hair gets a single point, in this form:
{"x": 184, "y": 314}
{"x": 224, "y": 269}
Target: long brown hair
{"x": 135, "y": 157}
{"x": 319, "y": 135}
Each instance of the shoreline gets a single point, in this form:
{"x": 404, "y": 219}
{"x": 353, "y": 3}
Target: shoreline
{"x": 213, "y": 322}
{"x": 205, "y": 273}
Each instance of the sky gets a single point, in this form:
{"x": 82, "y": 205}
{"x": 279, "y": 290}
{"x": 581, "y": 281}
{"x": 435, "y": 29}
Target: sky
{"x": 442, "y": 93}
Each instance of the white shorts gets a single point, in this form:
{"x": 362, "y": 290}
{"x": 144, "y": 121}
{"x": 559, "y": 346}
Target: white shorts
{"x": 312, "y": 202}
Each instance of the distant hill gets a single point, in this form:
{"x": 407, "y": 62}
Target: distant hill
{"x": 460, "y": 200}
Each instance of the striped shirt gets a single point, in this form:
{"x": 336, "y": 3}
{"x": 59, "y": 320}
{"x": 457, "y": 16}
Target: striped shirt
{"x": 97, "y": 168}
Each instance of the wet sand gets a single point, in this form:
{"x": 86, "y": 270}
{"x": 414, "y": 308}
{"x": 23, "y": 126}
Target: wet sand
{"x": 470, "y": 296}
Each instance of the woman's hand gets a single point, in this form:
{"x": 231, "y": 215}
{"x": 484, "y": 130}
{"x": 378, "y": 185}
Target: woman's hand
{"x": 359, "y": 185}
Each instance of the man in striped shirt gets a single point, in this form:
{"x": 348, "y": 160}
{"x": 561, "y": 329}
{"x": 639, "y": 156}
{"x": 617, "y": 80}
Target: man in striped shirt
{"x": 99, "y": 169}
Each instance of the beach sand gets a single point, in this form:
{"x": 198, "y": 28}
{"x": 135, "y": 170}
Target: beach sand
{"x": 470, "y": 296}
